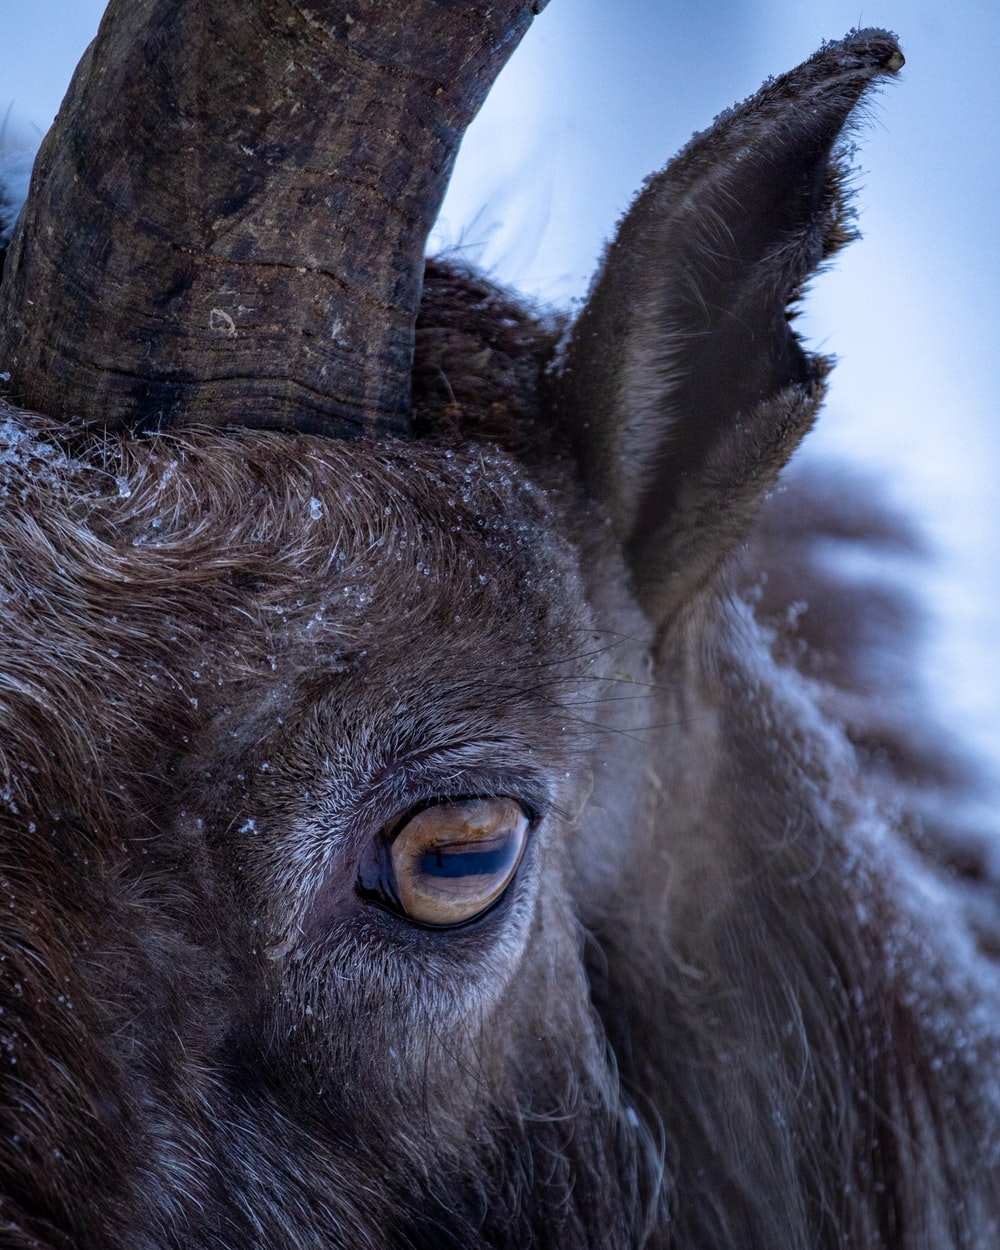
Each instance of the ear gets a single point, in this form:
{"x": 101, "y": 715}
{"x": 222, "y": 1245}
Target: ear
{"x": 683, "y": 388}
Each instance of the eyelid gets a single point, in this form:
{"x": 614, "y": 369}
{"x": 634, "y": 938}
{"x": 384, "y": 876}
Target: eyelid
{"x": 531, "y": 810}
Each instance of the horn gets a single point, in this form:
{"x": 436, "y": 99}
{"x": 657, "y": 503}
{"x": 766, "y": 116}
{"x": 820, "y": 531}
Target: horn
{"x": 226, "y": 224}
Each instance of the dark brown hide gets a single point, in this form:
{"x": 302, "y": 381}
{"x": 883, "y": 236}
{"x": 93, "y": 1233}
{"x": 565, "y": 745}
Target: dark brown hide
{"x": 740, "y": 992}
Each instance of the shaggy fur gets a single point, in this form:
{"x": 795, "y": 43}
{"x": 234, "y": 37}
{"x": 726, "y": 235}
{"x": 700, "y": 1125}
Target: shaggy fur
{"x": 740, "y": 992}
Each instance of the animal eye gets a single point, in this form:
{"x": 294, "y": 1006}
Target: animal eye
{"x": 451, "y": 861}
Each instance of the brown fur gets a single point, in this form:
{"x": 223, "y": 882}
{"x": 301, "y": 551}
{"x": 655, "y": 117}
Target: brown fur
{"x": 733, "y": 997}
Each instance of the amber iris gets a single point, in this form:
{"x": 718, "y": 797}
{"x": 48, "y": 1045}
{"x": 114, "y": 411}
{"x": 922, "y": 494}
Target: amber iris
{"x": 451, "y": 861}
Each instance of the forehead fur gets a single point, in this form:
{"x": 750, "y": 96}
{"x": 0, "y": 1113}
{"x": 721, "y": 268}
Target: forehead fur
{"x": 299, "y": 557}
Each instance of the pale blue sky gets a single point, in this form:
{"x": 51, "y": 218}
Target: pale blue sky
{"x": 602, "y": 93}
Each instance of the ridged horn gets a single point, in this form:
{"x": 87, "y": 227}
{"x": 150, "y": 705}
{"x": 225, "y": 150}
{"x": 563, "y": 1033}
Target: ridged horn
{"x": 226, "y": 224}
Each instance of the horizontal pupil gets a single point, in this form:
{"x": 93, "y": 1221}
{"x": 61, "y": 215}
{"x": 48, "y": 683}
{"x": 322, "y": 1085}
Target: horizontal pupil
{"x": 486, "y": 863}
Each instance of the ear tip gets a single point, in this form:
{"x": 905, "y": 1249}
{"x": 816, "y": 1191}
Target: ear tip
{"x": 872, "y": 47}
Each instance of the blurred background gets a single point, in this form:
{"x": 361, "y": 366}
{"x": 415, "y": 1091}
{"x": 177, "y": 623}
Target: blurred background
{"x": 600, "y": 94}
